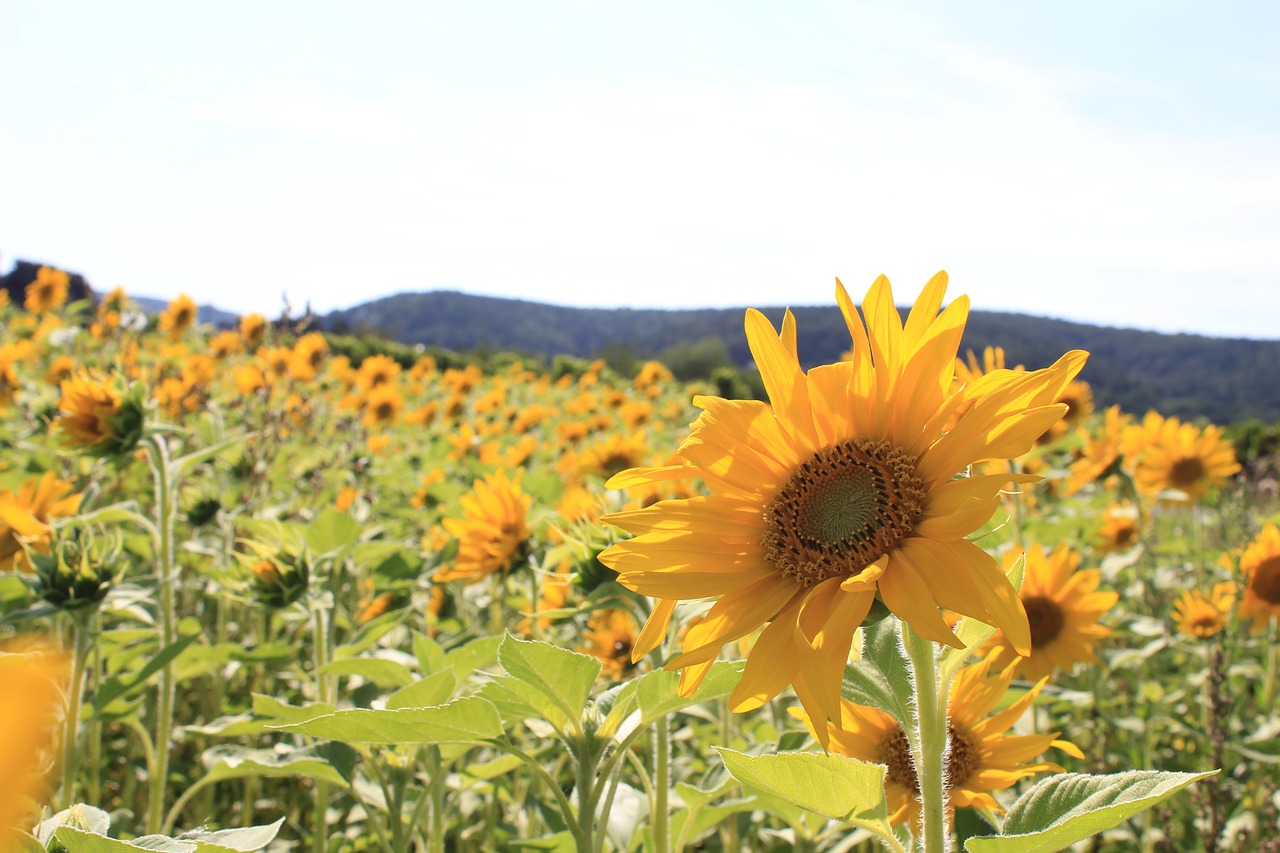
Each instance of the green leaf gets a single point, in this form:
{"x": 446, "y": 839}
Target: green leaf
{"x": 16, "y": 841}
{"x": 269, "y": 706}
{"x": 474, "y": 655}
{"x": 879, "y": 678}
{"x": 560, "y": 681}
{"x": 656, "y": 694}
{"x": 77, "y": 841}
{"x": 468, "y": 720}
{"x": 227, "y": 761}
{"x": 246, "y": 839}
{"x": 332, "y": 531}
{"x": 831, "y": 785}
{"x": 430, "y": 655}
{"x": 432, "y": 690}
{"x": 384, "y": 673}
{"x": 1069, "y": 807}
{"x": 197, "y": 456}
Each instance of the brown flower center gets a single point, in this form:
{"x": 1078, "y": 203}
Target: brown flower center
{"x": 1266, "y": 580}
{"x": 895, "y": 754}
{"x": 1186, "y": 472}
{"x": 841, "y": 510}
{"x": 1046, "y": 619}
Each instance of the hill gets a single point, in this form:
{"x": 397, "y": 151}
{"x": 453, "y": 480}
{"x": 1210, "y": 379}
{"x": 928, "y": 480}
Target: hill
{"x": 1191, "y": 376}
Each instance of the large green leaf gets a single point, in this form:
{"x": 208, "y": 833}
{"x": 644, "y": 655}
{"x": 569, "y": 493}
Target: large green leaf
{"x": 474, "y": 655}
{"x": 78, "y": 841}
{"x": 332, "y": 531}
{"x": 1069, "y": 807}
{"x": 430, "y": 655}
{"x": 656, "y": 694}
{"x": 559, "y": 681}
{"x": 382, "y": 672}
{"x": 879, "y": 678}
{"x": 432, "y": 690}
{"x": 468, "y": 720}
{"x": 227, "y": 761}
{"x": 831, "y": 785}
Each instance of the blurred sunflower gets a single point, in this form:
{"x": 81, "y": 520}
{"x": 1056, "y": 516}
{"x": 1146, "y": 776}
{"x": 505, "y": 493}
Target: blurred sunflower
{"x": 308, "y": 355}
{"x": 11, "y": 355}
{"x": 1181, "y": 457}
{"x": 1100, "y": 453}
{"x": 48, "y": 291}
{"x": 1119, "y": 531}
{"x": 1203, "y": 616}
{"x": 253, "y": 328}
{"x": 224, "y": 344}
{"x": 178, "y": 316}
{"x": 1079, "y": 400}
{"x": 99, "y": 418}
{"x": 1063, "y": 607}
{"x": 25, "y": 516}
{"x": 839, "y": 492}
{"x": 33, "y": 679}
{"x": 612, "y": 635}
{"x": 375, "y": 371}
{"x": 493, "y": 533}
{"x": 612, "y": 454}
{"x": 981, "y": 757}
{"x": 382, "y": 407}
{"x": 1260, "y": 565}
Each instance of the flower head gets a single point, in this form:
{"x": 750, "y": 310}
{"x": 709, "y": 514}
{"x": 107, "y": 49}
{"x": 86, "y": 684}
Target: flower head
{"x": 178, "y": 316}
{"x": 981, "y": 757}
{"x": 612, "y": 634}
{"x": 25, "y": 516}
{"x": 1260, "y": 565}
{"x": 840, "y": 492}
{"x": 99, "y": 418}
{"x": 1180, "y": 458}
{"x": 33, "y": 679}
{"x": 493, "y": 534}
{"x": 48, "y": 291}
{"x": 1063, "y": 607}
{"x": 1203, "y": 616}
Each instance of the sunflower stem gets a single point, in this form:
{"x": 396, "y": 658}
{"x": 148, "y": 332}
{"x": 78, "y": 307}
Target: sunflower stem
{"x": 1273, "y": 663}
{"x": 929, "y": 746}
{"x": 158, "y": 457}
{"x": 661, "y": 781}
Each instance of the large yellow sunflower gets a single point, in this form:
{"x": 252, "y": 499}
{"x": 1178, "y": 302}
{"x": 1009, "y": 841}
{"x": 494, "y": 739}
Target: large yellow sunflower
{"x": 492, "y": 534}
{"x": 1063, "y": 607}
{"x": 1260, "y": 564}
{"x": 1180, "y": 457}
{"x": 1203, "y": 616}
{"x": 981, "y": 758}
{"x": 841, "y": 490}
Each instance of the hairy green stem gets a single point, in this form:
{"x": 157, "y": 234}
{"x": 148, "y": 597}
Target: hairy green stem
{"x": 158, "y": 455}
{"x": 929, "y": 743}
{"x": 80, "y": 643}
{"x": 320, "y": 649}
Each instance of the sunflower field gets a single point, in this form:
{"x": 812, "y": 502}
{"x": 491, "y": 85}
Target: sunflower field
{"x": 260, "y": 593}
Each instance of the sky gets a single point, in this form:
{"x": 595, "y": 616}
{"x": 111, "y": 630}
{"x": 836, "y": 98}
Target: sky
{"x": 1109, "y": 162}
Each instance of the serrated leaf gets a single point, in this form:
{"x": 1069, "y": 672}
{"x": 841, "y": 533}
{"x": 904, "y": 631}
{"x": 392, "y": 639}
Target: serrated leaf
{"x": 227, "y": 761}
{"x": 430, "y": 655}
{"x": 830, "y": 785}
{"x": 269, "y": 706}
{"x": 560, "y": 680}
{"x": 245, "y": 839}
{"x": 332, "y": 531}
{"x": 382, "y": 672}
{"x": 1069, "y": 807}
{"x": 433, "y": 690}
{"x": 468, "y": 720}
{"x": 879, "y": 678}
{"x": 476, "y": 654}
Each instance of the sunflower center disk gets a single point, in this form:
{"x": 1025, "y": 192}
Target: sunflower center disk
{"x": 1045, "y": 618}
{"x": 842, "y": 509}
{"x": 1266, "y": 581}
{"x": 1186, "y": 472}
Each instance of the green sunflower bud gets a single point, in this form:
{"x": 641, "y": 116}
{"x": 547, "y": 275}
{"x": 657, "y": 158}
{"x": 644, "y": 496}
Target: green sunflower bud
{"x": 279, "y": 580}
{"x": 77, "y": 572}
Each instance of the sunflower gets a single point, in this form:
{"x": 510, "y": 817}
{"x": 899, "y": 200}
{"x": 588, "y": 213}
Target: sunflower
{"x": 981, "y": 757}
{"x": 1181, "y": 457}
{"x": 25, "y": 517}
{"x": 840, "y": 491}
{"x": 612, "y": 635}
{"x": 99, "y": 418}
{"x": 493, "y": 534}
{"x": 382, "y": 406}
{"x": 308, "y": 355}
{"x": 1260, "y": 565}
{"x": 178, "y": 316}
{"x": 376, "y": 370}
{"x": 1204, "y": 616}
{"x": 34, "y": 676}
{"x": 1063, "y": 607}
{"x": 253, "y": 328}
{"x": 612, "y": 454}
{"x": 1100, "y": 453}
{"x": 1079, "y": 400}
{"x": 1119, "y": 531}
{"x": 11, "y": 355}
{"x": 48, "y": 291}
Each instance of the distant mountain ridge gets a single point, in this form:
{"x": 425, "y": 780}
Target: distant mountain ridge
{"x": 1222, "y": 379}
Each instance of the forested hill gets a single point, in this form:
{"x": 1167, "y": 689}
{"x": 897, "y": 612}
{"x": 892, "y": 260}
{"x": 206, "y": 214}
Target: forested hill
{"x": 1224, "y": 380}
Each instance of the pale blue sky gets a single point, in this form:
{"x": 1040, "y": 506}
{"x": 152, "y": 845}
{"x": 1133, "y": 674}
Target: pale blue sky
{"x": 1113, "y": 162}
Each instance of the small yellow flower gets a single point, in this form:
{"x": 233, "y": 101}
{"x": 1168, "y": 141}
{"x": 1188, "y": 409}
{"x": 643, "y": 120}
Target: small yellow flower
{"x": 1203, "y": 616}
{"x": 178, "y": 316}
{"x": 1119, "y": 531}
{"x": 612, "y": 635}
{"x": 48, "y": 292}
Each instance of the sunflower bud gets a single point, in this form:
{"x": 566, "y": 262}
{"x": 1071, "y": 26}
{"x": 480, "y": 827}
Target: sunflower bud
{"x": 280, "y": 579}
{"x": 77, "y": 571}
{"x": 592, "y": 573}
{"x": 99, "y": 417}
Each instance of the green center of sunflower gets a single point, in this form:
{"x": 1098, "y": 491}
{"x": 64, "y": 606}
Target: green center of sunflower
{"x": 842, "y": 509}
{"x": 895, "y": 754}
{"x": 1045, "y": 618}
{"x": 1266, "y": 581}
{"x": 1186, "y": 472}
